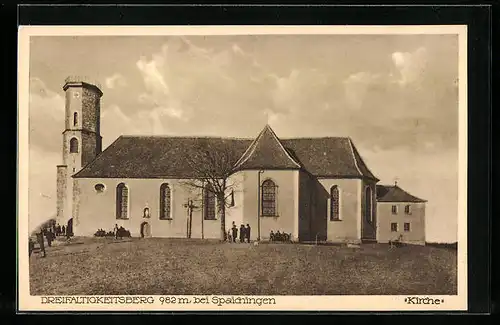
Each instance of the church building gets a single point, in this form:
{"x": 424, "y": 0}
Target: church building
{"x": 311, "y": 188}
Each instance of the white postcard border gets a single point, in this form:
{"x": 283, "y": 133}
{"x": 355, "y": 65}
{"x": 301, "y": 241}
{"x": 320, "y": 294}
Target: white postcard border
{"x": 282, "y": 303}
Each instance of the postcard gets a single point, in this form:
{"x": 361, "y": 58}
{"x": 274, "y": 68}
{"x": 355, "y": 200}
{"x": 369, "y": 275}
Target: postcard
{"x": 254, "y": 168}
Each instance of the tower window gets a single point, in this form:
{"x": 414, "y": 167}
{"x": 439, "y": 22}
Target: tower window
{"x": 73, "y": 145}
{"x": 75, "y": 119}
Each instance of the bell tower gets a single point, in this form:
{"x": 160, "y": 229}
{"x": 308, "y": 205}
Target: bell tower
{"x": 82, "y": 140}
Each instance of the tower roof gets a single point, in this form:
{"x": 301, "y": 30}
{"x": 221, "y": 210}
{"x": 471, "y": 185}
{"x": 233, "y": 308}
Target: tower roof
{"x": 267, "y": 152}
{"x": 82, "y": 81}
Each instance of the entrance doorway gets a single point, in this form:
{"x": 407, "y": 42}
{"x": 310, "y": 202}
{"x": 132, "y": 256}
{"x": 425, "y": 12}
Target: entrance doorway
{"x": 69, "y": 228}
{"x": 145, "y": 230}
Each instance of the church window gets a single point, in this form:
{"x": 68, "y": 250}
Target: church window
{"x": 268, "y": 198}
{"x": 75, "y": 119}
{"x": 122, "y": 198}
{"x": 231, "y": 203}
{"x": 73, "y": 145}
{"x": 165, "y": 202}
{"x": 407, "y": 209}
{"x": 368, "y": 204}
{"x": 334, "y": 203}
{"x": 209, "y": 203}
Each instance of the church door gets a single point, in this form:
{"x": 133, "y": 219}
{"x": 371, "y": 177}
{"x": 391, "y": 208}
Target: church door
{"x": 145, "y": 230}
{"x": 69, "y": 228}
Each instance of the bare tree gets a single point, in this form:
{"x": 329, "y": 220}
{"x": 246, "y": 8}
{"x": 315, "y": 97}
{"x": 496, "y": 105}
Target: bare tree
{"x": 211, "y": 164}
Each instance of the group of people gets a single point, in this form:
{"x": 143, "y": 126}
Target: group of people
{"x": 232, "y": 234}
{"x": 120, "y": 232}
{"x": 244, "y": 234}
{"x": 50, "y": 233}
{"x": 45, "y": 233}
{"x": 279, "y": 236}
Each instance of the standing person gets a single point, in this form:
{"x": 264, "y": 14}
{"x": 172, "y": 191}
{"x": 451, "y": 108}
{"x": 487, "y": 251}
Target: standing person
{"x": 31, "y": 246}
{"x": 48, "y": 235}
{"x": 242, "y": 233}
{"x": 235, "y": 232}
{"x": 39, "y": 237}
{"x": 63, "y": 230}
{"x": 247, "y": 231}
{"x": 116, "y": 231}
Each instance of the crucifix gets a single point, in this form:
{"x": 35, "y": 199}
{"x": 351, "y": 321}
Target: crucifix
{"x": 189, "y": 206}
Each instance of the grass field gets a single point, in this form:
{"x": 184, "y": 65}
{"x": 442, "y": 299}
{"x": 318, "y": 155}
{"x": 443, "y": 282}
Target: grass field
{"x": 92, "y": 266}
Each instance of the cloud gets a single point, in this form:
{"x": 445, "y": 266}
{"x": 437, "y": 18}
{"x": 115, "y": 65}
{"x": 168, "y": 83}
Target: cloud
{"x": 46, "y": 108}
{"x": 411, "y": 65}
{"x": 357, "y": 85}
{"x": 115, "y": 81}
{"x": 153, "y": 79}
{"x": 189, "y": 83}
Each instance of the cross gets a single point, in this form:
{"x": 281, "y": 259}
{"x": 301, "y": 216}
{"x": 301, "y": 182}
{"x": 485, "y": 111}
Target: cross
{"x": 396, "y": 181}
{"x": 189, "y": 205}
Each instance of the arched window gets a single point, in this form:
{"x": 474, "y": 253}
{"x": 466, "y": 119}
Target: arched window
{"x": 165, "y": 200}
{"x": 368, "y": 204}
{"x": 122, "y": 201}
{"x": 209, "y": 203}
{"x": 73, "y": 145}
{"x": 268, "y": 198}
{"x": 334, "y": 203}
{"x": 75, "y": 119}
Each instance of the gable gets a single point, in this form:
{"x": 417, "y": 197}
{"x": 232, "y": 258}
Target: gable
{"x": 266, "y": 152}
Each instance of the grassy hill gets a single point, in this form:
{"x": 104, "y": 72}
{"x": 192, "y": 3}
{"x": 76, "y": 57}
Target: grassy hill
{"x": 105, "y": 266}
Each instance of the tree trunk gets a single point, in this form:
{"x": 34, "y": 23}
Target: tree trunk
{"x": 222, "y": 205}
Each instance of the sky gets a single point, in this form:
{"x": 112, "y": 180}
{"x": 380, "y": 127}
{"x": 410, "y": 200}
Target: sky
{"x": 396, "y": 96}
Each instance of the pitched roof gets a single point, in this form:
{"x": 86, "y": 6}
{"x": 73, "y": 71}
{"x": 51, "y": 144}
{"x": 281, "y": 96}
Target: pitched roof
{"x": 266, "y": 152}
{"x": 394, "y": 193}
{"x": 165, "y": 157}
{"x": 327, "y": 157}
{"x": 152, "y": 157}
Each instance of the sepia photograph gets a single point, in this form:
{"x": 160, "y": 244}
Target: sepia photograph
{"x": 204, "y": 166}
